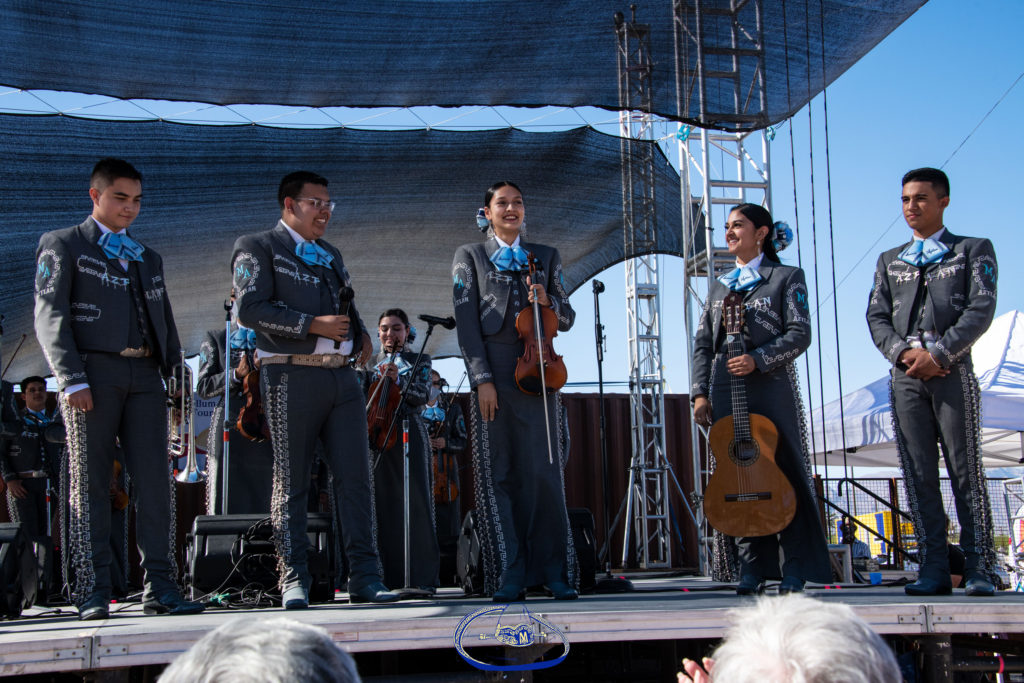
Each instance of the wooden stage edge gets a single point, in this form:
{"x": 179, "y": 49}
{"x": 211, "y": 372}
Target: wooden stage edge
{"x": 44, "y": 641}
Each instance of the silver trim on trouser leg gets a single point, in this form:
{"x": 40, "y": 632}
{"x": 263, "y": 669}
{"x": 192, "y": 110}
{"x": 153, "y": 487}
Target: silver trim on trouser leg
{"x": 371, "y": 456}
{"x": 214, "y": 433}
{"x": 172, "y": 529}
{"x": 794, "y": 386}
{"x": 981, "y": 506}
{"x": 276, "y": 409}
{"x": 571, "y": 561}
{"x": 80, "y": 536}
{"x": 492, "y": 539}
{"x": 12, "y": 508}
{"x": 725, "y": 561}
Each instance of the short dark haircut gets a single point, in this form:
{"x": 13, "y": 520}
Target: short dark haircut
{"x": 938, "y": 179}
{"x": 397, "y": 312}
{"x": 32, "y": 379}
{"x": 489, "y": 195}
{"x": 109, "y": 169}
{"x": 758, "y": 215}
{"x": 291, "y": 185}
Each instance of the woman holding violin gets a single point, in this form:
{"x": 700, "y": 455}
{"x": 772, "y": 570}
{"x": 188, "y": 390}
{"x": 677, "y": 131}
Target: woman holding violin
{"x": 776, "y": 329}
{"x": 518, "y": 457}
{"x": 391, "y": 374}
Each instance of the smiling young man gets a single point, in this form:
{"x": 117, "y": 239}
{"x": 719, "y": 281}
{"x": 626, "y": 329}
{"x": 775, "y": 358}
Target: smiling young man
{"x": 104, "y": 322}
{"x": 288, "y": 282}
{"x": 934, "y": 297}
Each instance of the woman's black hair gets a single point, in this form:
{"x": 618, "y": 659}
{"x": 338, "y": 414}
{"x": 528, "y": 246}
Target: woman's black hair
{"x": 758, "y": 215}
{"x": 394, "y": 312}
{"x": 497, "y": 186}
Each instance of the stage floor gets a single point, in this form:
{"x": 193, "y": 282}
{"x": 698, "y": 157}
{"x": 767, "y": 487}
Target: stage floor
{"x": 659, "y": 609}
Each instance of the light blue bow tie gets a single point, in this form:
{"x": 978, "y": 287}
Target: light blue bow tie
{"x": 510, "y": 258}
{"x": 313, "y": 254}
{"x": 741, "y": 279}
{"x": 434, "y": 413}
{"x": 120, "y": 246}
{"x": 402, "y": 364}
{"x": 922, "y": 252}
{"x": 36, "y": 418}
{"x": 243, "y": 339}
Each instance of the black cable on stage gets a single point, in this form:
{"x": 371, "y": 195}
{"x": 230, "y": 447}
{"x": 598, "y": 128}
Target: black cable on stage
{"x": 832, "y": 250}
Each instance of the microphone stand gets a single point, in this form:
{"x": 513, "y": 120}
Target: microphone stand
{"x": 408, "y": 589}
{"x": 228, "y": 371}
{"x": 608, "y": 583}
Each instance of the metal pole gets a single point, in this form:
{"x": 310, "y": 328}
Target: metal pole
{"x": 405, "y": 497}
{"x": 228, "y": 371}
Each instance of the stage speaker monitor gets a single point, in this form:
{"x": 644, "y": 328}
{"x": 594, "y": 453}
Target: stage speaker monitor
{"x": 19, "y": 573}
{"x": 227, "y": 553}
{"x": 469, "y": 558}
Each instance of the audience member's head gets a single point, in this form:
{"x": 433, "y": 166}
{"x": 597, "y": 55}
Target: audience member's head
{"x": 796, "y": 639}
{"x": 263, "y": 651}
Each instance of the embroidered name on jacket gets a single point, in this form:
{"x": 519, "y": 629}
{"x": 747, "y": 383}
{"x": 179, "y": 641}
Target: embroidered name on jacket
{"x": 290, "y": 268}
{"x": 87, "y": 265}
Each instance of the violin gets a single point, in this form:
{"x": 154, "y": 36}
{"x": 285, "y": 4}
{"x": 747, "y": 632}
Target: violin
{"x": 446, "y": 483}
{"x": 539, "y": 370}
{"x": 252, "y": 423}
{"x": 385, "y": 397}
{"x": 119, "y": 498}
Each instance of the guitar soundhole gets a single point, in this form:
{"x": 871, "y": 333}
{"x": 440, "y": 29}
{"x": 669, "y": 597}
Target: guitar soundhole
{"x": 744, "y": 453}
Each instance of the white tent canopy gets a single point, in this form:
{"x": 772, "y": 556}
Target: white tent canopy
{"x": 999, "y": 364}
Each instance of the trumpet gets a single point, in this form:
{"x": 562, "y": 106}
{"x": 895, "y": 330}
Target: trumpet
{"x": 181, "y": 441}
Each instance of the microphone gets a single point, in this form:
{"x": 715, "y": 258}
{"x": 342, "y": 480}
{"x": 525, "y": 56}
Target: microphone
{"x": 598, "y": 286}
{"x": 447, "y": 323}
{"x": 345, "y": 296}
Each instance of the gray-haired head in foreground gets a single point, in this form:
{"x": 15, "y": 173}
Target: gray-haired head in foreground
{"x": 796, "y": 639}
{"x": 263, "y": 651}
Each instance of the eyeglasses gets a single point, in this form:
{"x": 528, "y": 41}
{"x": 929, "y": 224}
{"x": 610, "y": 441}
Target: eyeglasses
{"x": 318, "y": 204}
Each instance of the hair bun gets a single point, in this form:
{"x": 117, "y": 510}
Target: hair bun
{"x": 782, "y": 235}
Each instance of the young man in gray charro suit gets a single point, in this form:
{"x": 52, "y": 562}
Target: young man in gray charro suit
{"x": 104, "y": 321}
{"x": 933, "y": 297}
{"x": 288, "y": 281}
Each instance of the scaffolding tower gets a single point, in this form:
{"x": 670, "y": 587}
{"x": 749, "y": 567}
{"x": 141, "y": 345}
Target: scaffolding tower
{"x": 726, "y": 159}
{"x": 647, "y": 539}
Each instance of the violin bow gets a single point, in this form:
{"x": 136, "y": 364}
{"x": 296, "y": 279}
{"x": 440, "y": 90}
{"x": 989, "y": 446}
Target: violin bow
{"x": 538, "y": 325}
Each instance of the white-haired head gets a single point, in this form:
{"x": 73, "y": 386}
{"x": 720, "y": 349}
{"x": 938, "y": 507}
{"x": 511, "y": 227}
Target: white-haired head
{"x": 796, "y": 639}
{"x": 263, "y": 651}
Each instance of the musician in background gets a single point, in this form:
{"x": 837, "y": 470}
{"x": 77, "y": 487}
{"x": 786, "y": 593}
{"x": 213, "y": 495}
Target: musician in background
{"x": 776, "y": 330}
{"x": 933, "y": 297}
{"x": 289, "y": 282}
{"x": 104, "y": 321}
{"x": 520, "y": 492}
{"x": 29, "y": 462}
{"x": 447, "y": 428}
{"x": 251, "y": 463}
{"x": 395, "y": 360}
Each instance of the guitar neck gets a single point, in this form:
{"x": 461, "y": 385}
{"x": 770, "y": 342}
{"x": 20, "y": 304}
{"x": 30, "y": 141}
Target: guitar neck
{"x": 738, "y": 386}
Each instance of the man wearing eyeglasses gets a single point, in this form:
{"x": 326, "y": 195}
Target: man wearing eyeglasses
{"x": 289, "y": 282}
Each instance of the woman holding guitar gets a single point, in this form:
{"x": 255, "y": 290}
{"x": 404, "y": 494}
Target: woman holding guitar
{"x": 518, "y": 458}
{"x": 755, "y": 324}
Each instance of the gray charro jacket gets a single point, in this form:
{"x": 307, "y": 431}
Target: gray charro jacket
{"x": 776, "y": 323}
{"x": 481, "y": 297}
{"x": 82, "y": 301}
{"x": 278, "y": 295}
{"x": 960, "y": 289}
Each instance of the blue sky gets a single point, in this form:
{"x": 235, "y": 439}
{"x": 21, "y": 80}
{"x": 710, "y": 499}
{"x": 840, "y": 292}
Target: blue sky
{"x": 910, "y": 102}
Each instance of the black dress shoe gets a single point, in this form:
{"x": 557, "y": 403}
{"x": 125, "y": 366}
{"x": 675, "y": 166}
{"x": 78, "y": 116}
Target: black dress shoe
{"x": 791, "y": 584}
{"x": 562, "y": 591}
{"x": 294, "y": 598}
{"x": 510, "y": 592}
{"x": 977, "y": 584}
{"x": 925, "y": 586}
{"x": 95, "y": 607}
{"x": 750, "y": 585}
{"x": 171, "y": 602}
{"x": 376, "y": 592}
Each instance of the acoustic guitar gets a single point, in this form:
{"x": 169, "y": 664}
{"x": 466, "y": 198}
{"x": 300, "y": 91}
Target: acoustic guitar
{"x": 748, "y": 495}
